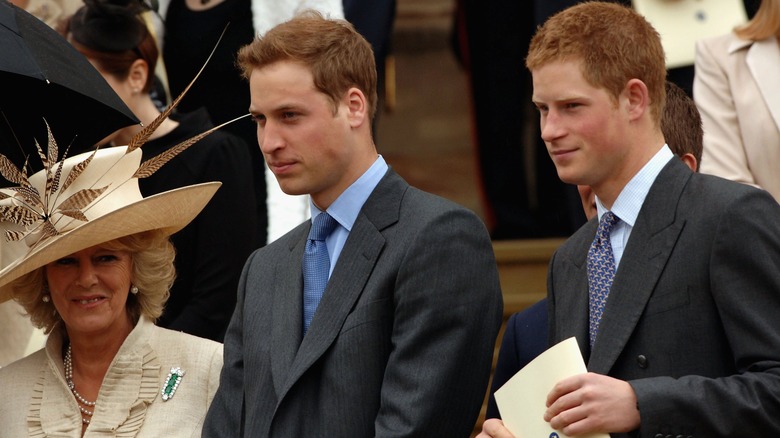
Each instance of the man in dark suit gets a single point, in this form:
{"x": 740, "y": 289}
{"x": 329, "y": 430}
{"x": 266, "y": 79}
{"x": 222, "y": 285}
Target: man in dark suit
{"x": 525, "y": 336}
{"x": 687, "y": 342}
{"x": 402, "y": 340}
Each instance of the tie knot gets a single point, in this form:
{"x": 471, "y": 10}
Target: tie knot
{"x": 606, "y": 223}
{"x": 322, "y": 226}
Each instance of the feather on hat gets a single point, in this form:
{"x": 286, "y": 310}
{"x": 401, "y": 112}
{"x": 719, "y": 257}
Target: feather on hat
{"x": 89, "y": 199}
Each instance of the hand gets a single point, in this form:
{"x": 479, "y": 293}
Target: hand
{"x": 494, "y": 428}
{"x": 591, "y": 402}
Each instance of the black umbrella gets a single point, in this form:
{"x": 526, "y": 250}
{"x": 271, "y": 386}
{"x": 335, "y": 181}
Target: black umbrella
{"x": 43, "y": 77}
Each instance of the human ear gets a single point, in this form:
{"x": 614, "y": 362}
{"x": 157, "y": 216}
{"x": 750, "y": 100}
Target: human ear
{"x": 637, "y": 98}
{"x": 138, "y": 75}
{"x": 690, "y": 161}
{"x": 357, "y": 107}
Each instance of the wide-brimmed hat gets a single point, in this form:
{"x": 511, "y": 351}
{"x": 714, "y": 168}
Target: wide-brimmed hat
{"x": 81, "y": 202}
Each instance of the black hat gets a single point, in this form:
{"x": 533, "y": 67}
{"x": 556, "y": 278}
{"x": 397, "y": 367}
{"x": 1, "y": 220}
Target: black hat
{"x": 109, "y": 25}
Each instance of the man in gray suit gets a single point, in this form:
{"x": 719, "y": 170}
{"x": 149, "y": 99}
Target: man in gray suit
{"x": 402, "y": 340}
{"x": 687, "y": 342}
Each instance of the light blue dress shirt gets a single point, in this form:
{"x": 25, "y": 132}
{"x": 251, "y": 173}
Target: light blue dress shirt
{"x": 630, "y": 200}
{"x": 346, "y": 207}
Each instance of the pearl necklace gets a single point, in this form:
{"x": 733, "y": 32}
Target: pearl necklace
{"x": 72, "y": 386}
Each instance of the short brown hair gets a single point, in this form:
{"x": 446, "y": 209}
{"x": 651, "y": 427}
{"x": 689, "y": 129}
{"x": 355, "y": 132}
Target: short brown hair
{"x": 338, "y": 56}
{"x": 153, "y": 273}
{"x": 681, "y": 123}
{"x": 614, "y": 43}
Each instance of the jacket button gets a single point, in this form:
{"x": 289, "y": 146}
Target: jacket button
{"x": 642, "y": 361}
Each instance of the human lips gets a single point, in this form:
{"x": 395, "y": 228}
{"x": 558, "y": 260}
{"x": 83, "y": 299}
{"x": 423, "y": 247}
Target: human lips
{"x": 561, "y": 153}
{"x": 89, "y": 300}
{"x": 279, "y": 167}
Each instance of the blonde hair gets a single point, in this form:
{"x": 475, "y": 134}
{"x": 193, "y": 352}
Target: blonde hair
{"x": 153, "y": 274}
{"x": 614, "y": 43}
{"x": 765, "y": 24}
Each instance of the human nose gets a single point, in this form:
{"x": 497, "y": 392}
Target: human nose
{"x": 551, "y": 127}
{"x": 87, "y": 276}
{"x": 269, "y": 137}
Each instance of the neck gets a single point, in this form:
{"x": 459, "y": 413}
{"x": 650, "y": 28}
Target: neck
{"x": 634, "y": 160}
{"x": 92, "y": 354}
{"x": 146, "y": 111}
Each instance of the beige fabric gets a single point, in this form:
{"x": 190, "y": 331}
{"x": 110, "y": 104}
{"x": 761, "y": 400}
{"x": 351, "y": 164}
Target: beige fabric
{"x": 738, "y": 95}
{"x": 119, "y": 210}
{"x": 18, "y": 337}
{"x": 37, "y": 401}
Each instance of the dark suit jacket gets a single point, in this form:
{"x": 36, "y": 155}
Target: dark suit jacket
{"x": 401, "y": 343}
{"x": 692, "y": 320}
{"x": 525, "y": 337}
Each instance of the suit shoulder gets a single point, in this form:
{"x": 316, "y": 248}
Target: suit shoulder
{"x": 714, "y": 193}
{"x": 426, "y": 201}
{"x": 21, "y": 369}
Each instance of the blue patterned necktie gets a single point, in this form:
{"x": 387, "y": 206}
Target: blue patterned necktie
{"x": 316, "y": 265}
{"x": 601, "y": 271}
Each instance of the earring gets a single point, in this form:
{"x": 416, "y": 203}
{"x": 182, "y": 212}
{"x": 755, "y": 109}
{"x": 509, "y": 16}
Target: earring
{"x": 134, "y": 290}
{"x": 45, "y": 298}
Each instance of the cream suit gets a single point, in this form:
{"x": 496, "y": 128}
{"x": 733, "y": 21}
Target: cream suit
{"x": 737, "y": 91}
{"x": 36, "y": 401}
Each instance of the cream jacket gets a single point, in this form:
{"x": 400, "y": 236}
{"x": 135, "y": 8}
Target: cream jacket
{"x": 737, "y": 91}
{"x": 36, "y": 401}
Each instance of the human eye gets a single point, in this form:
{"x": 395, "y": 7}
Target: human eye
{"x": 542, "y": 108}
{"x": 107, "y": 257}
{"x": 572, "y": 105}
{"x": 65, "y": 261}
{"x": 289, "y": 115}
{"x": 258, "y": 119}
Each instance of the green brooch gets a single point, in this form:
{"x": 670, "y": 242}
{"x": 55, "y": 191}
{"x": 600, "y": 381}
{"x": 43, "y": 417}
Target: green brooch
{"x": 171, "y": 383}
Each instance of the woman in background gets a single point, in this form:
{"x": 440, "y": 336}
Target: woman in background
{"x": 737, "y": 91}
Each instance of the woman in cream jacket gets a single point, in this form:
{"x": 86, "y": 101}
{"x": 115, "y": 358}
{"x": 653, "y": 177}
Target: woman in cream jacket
{"x": 737, "y": 91}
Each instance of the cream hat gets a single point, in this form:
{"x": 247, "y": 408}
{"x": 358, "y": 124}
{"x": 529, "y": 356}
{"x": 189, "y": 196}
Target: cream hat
{"x": 81, "y": 202}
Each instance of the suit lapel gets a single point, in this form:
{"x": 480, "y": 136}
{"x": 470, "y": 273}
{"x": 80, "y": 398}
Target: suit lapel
{"x": 763, "y": 59}
{"x": 652, "y": 240}
{"x": 287, "y": 310}
{"x": 572, "y": 298}
{"x": 353, "y": 268}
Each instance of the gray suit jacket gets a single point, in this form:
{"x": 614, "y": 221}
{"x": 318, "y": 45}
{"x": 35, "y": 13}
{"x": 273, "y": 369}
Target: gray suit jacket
{"x": 401, "y": 343}
{"x": 693, "y": 317}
